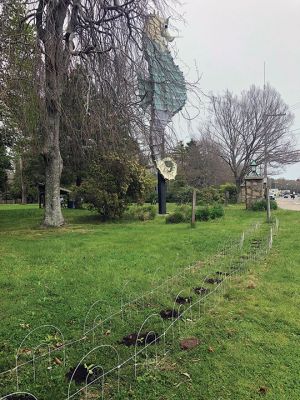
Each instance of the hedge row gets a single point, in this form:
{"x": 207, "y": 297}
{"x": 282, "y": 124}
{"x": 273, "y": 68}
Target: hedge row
{"x": 140, "y": 212}
{"x": 261, "y": 205}
{"x": 184, "y": 214}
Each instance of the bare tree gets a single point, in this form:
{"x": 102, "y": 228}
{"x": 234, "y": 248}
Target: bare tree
{"x": 95, "y": 32}
{"x": 19, "y": 81}
{"x": 254, "y": 126}
{"x": 200, "y": 163}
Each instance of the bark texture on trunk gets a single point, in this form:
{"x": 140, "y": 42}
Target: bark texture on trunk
{"x": 53, "y": 168}
{"x": 238, "y": 182}
{"x": 23, "y": 187}
{"x": 51, "y": 150}
{"x": 56, "y": 64}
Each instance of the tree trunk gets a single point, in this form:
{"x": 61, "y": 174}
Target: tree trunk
{"x": 53, "y": 215}
{"x": 53, "y": 160}
{"x": 193, "y": 221}
{"x": 55, "y": 65}
{"x": 238, "y": 183}
{"x": 23, "y": 187}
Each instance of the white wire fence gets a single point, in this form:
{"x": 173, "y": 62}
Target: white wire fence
{"x": 151, "y": 325}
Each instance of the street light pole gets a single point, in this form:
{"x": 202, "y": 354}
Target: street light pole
{"x": 266, "y": 163}
{"x": 266, "y": 180}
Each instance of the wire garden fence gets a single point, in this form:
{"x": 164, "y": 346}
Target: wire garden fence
{"x": 151, "y": 325}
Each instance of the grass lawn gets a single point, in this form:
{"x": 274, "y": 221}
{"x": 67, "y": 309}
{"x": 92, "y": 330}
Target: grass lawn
{"x": 249, "y": 340}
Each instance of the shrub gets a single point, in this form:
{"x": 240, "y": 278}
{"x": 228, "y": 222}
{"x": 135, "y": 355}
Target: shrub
{"x": 230, "y": 191}
{"x": 181, "y": 195}
{"x": 175, "y": 218}
{"x": 184, "y": 214}
{"x": 112, "y": 183}
{"x": 273, "y": 205}
{"x": 179, "y": 191}
{"x": 186, "y": 210}
{"x": 202, "y": 214}
{"x": 152, "y": 198}
{"x": 209, "y": 195}
{"x": 217, "y": 211}
{"x": 261, "y": 205}
{"x": 141, "y": 213}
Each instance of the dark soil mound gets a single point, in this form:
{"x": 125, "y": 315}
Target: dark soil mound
{"x": 183, "y": 300}
{"x": 213, "y": 280}
{"x": 169, "y": 314}
{"x": 201, "y": 290}
{"x": 83, "y": 375}
{"x": 141, "y": 339}
{"x": 20, "y": 397}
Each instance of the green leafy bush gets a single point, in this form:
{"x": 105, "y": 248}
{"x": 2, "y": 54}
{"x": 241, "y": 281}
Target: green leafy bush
{"x": 183, "y": 213}
{"x": 261, "y": 205}
{"x": 274, "y": 205}
{"x": 209, "y": 195}
{"x": 216, "y": 211}
{"x": 202, "y": 214}
{"x": 175, "y": 218}
{"x": 186, "y": 210}
{"x": 152, "y": 197}
{"x": 230, "y": 191}
{"x": 112, "y": 183}
{"x": 141, "y": 213}
{"x": 179, "y": 195}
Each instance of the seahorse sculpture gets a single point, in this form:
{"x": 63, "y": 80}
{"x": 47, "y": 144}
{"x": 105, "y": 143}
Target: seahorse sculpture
{"x": 163, "y": 91}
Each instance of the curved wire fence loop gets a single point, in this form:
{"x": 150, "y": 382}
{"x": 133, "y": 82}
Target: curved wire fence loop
{"x": 33, "y": 357}
{"x": 17, "y": 394}
{"x": 103, "y": 346}
{"x": 96, "y": 367}
{"x": 27, "y": 336}
{"x": 90, "y": 310}
{"x": 137, "y": 340}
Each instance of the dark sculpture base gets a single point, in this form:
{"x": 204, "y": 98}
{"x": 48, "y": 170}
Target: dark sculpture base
{"x": 162, "y": 194}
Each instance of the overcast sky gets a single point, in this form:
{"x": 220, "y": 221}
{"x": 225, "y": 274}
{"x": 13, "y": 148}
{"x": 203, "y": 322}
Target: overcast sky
{"x": 230, "y": 39}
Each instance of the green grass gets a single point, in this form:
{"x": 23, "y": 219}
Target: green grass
{"x": 53, "y": 276}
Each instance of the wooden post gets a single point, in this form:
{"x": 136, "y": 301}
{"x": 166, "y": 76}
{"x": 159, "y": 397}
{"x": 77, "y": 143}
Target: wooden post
{"x": 193, "y": 222}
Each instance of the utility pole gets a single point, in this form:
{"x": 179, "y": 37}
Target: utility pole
{"x": 266, "y": 182}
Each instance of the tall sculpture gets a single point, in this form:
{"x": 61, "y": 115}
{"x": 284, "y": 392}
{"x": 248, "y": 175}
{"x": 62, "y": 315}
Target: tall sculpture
{"x": 163, "y": 92}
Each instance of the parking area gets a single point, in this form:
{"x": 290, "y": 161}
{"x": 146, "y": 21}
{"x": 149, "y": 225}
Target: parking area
{"x": 289, "y": 204}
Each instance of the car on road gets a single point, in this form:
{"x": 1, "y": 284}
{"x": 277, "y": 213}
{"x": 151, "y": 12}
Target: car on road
{"x": 286, "y": 196}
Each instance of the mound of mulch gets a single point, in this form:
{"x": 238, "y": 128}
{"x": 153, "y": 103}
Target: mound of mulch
{"x": 263, "y": 390}
{"x": 189, "y": 343}
{"x": 169, "y": 314}
{"x": 184, "y": 300}
{"x": 20, "y": 397}
{"x": 83, "y": 375}
{"x": 223, "y": 273}
{"x": 201, "y": 290}
{"x": 141, "y": 339}
{"x": 212, "y": 281}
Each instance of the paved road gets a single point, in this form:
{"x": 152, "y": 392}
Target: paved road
{"x": 289, "y": 204}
